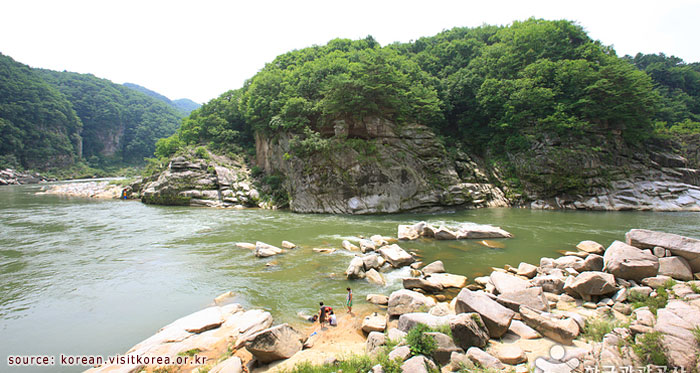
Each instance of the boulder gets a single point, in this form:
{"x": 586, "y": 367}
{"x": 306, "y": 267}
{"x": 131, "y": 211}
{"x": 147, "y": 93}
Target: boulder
{"x": 444, "y": 233}
{"x": 248, "y": 323}
{"x": 223, "y": 298}
{"x": 472, "y": 230}
{"x": 447, "y": 280}
{"x": 401, "y": 352}
{"x": 592, "y": 262}
{"x": 508, "y": 283}
{"x": 549, "y": 283}
{"x": 373, "y": 261}
{"x": 231, "y": 365}
{"x": 379, "y": 299}
{"x": 419, "y": 283}
{"x": 396, "y": 256}
{"x": 484, "y": 359}
{"x": 591, "y": 247}
{"x": 406, "y": 301}
{"x": 374, "y": 341}
{"x": 510, "y": 354}
{"x": 468, "y": 329}
{"x": 441, "y": 309}
{"x": 288, "y": 245}
{"x": 395, "y": 334}
{"x": 408, "y": 232}
{"x": 200, "y": 321}
{"x": 379, "y": 241}
{"x": 445, "y": 348}
{"x": 496, "y": 317}
{"x": 263, "y": 250}
{"x": 418, "y": 364}
{"x": 676, "y": 322}
{"x": 630, "y": 263}
{"x": 434, "y": 267}
{"x": 276, "y": 343}
{"x": 526, "y": 270}
{"x": 676, "y": 267}
{"x": 367, "y": 245}
{"x": 563, "y": 331}
{"x": 245, "y": 245}
{"x": 656, "y": 282}
{"x": 532, "y": 297}
{"x": 374, "y": 277}
{"x": 408, "y": 320}
{"x": 589, "y": 284}
{"x": 347, "y": 245}
{"x": 374, "y": 323}
{"x": 686, "y": 247}
{"x": 520, "y": 329}
{"x": 356, "y": 269}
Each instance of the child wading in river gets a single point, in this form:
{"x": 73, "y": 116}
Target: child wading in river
{"x": 348, "y": 300}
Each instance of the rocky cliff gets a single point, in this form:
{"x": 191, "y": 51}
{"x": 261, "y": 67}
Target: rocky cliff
{"x": 202, "y": 179}
{"x": 375, "y": 166}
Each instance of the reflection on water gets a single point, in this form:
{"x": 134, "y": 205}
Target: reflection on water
{"x": 95, "y": 277}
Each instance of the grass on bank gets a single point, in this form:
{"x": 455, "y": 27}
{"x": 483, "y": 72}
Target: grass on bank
{"x": 597, "y": 328}
{"x": 637, "y": 299}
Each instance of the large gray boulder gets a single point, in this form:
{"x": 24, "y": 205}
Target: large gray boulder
{"x": 468, "y": 329}
{"x": 367, "y": 245}
{"x": 356, "y": 269}
{"x": 423, "y": 284}
{"x": 409, "y": 232}
{"x": 563, "y": 331}
{"x": 532, "y": 297}
{"x": 408, "y": 320}
{"x": 505, "y": 283}
{"x": 447, "y": 280}
{"x": 407, "y": 301}
{"x": 630, "y": 263}
{"x": 589, "y": 284}
{"x": 676, "y": 322}
{"x": 686, "y": 247}
{"x": 396, "y": 256}
{"x": 373, "y": 261}
{"x": 445, "y": 348}
{"x": 496, "y": 317}
{"x": 676, "y": 267}
{"x": 374, "y": 277}
{"x": 276, "y": 343}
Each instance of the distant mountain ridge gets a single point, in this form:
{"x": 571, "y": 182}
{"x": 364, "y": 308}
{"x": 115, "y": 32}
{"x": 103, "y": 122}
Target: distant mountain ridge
{"x": 183, "y": 105}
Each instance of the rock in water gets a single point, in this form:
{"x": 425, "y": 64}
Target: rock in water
{"x": 447, "y": 280}
{"x": 375, "y": 277}
{"x": 591, "y": 247}
{"x": 472, "y": 230}
{"x": 434, "y": 267}
{"x": 276, "y": 343}
{"x": 288, "y": 245}
{"x": 496, "y": 317}
{"x": 630, "y": 263}
{"x": 347, "y": 245}
{"x": 396, "y": 256}
{"x": 367, "y": 245}
{"x": 264, "y": 250}
{"x": 419, "y": 283}
{"x": 356, "y": 269}
{"x": 408, "y": 232}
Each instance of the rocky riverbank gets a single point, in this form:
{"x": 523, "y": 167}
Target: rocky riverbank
{"x": 90, "y": 189}
{"x": 12, "y": 177}
{"x": 633, "y": 304}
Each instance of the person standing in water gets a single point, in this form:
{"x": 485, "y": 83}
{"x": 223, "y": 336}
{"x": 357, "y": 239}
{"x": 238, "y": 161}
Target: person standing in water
{"x": 348, "y": 300}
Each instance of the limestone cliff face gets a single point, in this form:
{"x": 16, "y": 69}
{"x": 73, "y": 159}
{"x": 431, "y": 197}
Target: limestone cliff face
{"x": 211, "y": 181}
{"x": 394, "y": 169}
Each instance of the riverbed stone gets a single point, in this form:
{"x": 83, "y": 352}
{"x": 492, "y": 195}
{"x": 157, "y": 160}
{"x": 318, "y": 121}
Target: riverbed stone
{"x": 373, "y": 261}
{"x": 445, "y": 347}
{"x": 367, "y": 246}
{"x": 473, "y": 230}
{"x": 374, "y": 323}
{"x": 591, "y": 247}
{"x": 378, "y": 240}
{"x": 374, "y": 277}
{"x": 589, "y": 284}
{"x": 288, "y": 245}
{"x": 676, "y": 267}
{"x": 408, "y": 320}
{"x": 496, "y": 317}
{"x": 418, "y": 364}
{"x": 656, "y": 282}
{"x": 408, "y": 232}
{"x": 263, "y": 250}
{"x": 563, "y": 331}
{"x": 440, "y": 309}
{"x": 592, "y": 262}
{"x": 484, "y": 359}
{"x": 468, "y": 329}
{"x": 676, "y": 322}
{"x": 532, "y": 297}
{"x": 401, "y": 352}
{"x": 396, "y": 256}
{"x": 231, "y": 365}
{"x": 245, "y": 245}
{"x": 347, "y": 245}
{"x": 508, "y": 283}
{"x": 422, "y": 284}
{"x": 434, "y": 267}
{"x": 520, "y": 329}
{"x": 374, "y": 341}
{"x": 526, "y": 270}
{"x": 379, "y": 299}
{"x": 686, "y": 247}
{"x": 356, "y": 269}
{"x": 406, "y": 301}
{"x": 510, "y": 354}
{"x": 276, "y": 343}
{"x": 549, "y": 283}
{"x": 629, "y": 262}
{"x": 447, "y": 280}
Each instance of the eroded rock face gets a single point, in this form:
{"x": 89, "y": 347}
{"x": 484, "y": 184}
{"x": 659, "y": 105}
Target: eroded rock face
{"x": 409, "y": 173}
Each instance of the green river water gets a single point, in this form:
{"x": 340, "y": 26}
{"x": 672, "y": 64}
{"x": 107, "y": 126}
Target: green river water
{"x": 94, "y": 277}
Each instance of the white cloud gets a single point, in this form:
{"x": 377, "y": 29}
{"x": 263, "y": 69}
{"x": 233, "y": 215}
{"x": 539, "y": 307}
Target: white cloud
{"x": 200, "y": 49}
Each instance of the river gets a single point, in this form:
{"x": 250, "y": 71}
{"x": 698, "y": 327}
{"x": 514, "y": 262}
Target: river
{"x": 95, "y": 277}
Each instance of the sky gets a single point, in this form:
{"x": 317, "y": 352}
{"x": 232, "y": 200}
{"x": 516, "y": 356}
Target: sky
{"x": 201, "y": 49}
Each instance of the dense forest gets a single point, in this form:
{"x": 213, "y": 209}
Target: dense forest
{"x": 51, "y": 119}
{"x": 493, "y": 90}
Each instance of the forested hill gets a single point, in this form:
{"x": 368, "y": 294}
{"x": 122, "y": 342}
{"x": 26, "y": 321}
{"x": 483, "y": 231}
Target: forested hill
{"x": 183, "y": 105}
{"x": 54, "y": 119}
{"x": 542, "y": 108}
